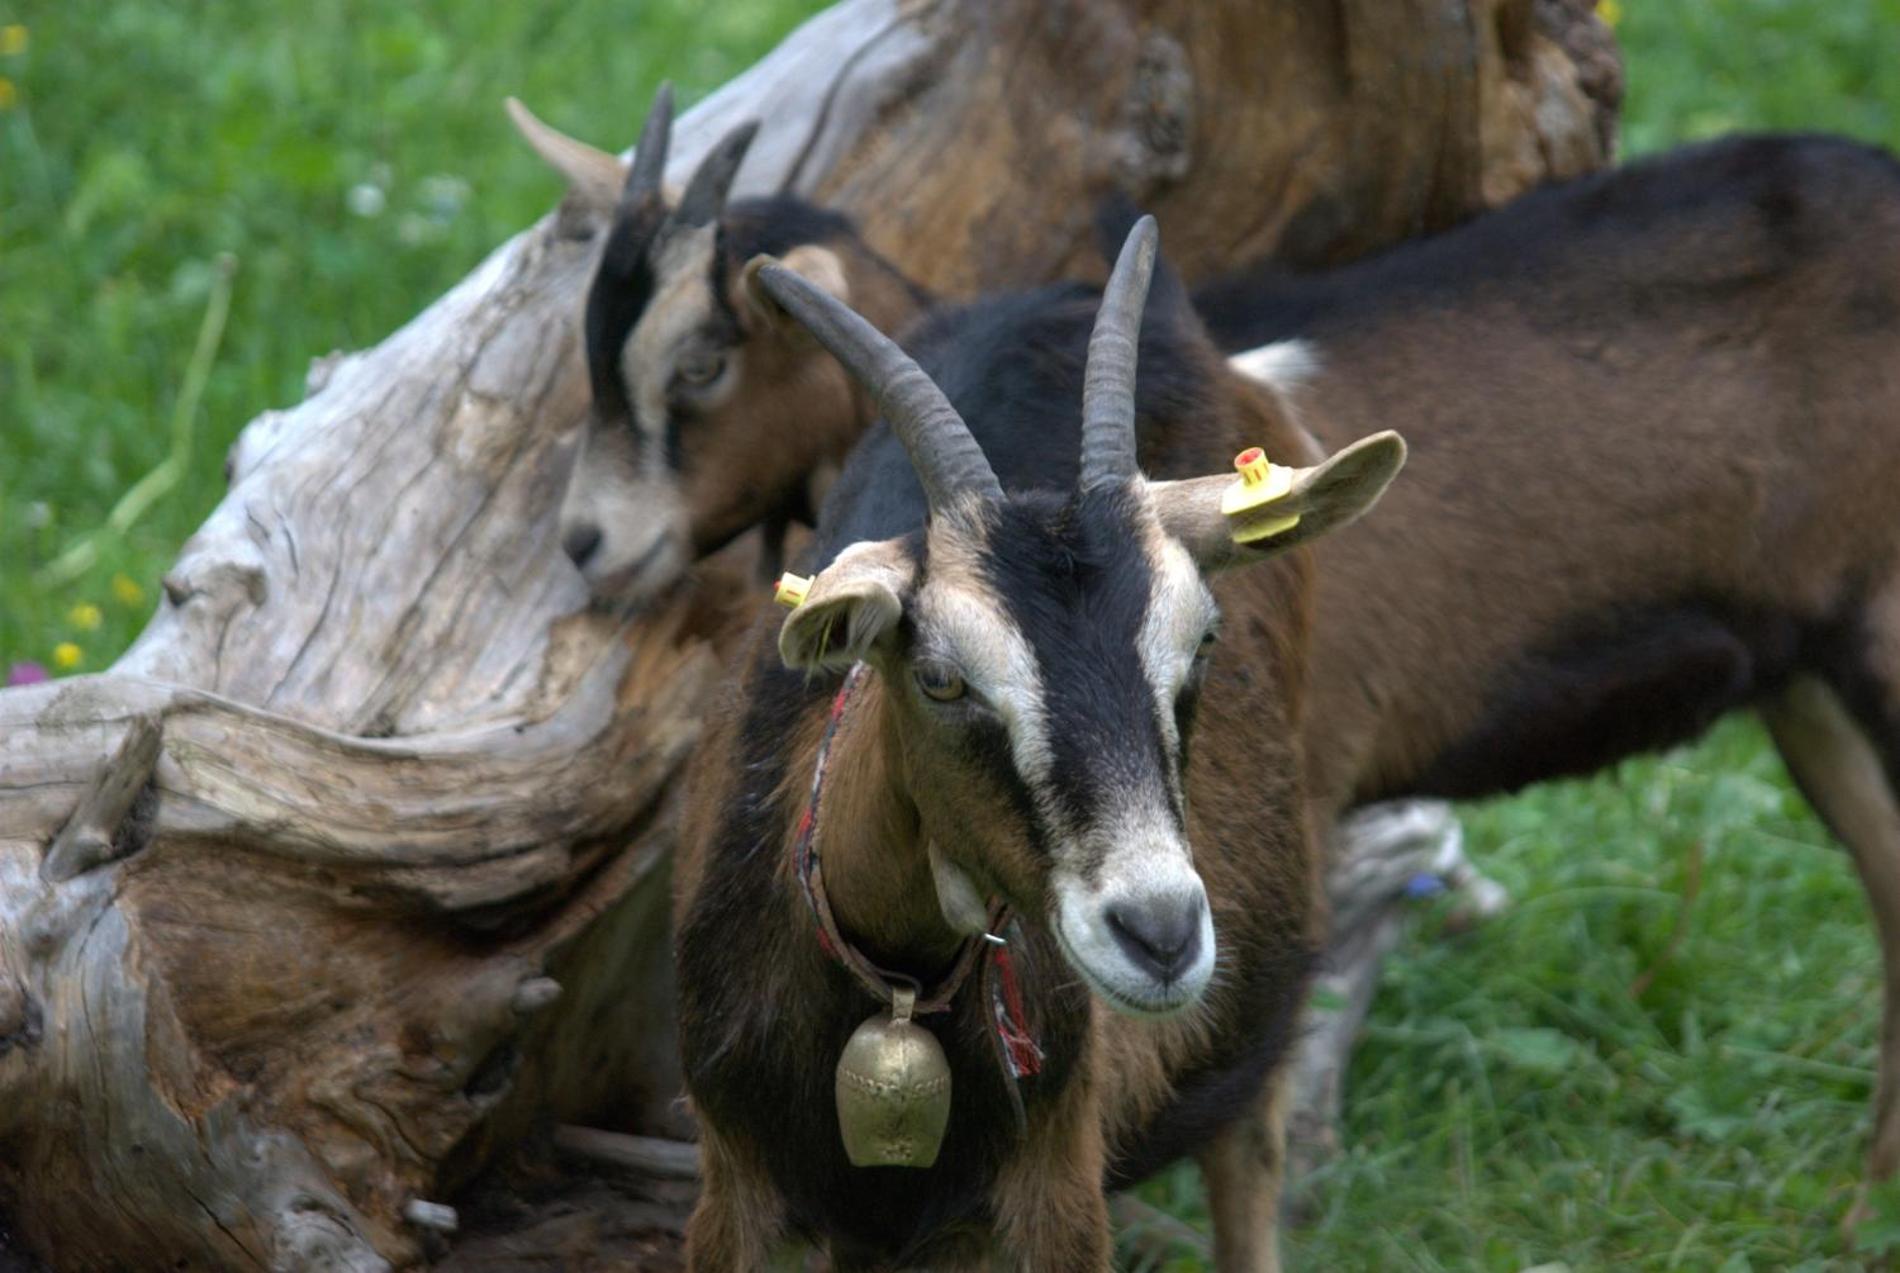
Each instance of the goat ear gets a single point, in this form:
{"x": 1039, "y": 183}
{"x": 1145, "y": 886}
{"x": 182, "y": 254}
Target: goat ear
{"x": 1328, "y": 495}
{"x": 819, "y": 266}
{"x": 850, "y": 609}
{"x": 594, "y": 177}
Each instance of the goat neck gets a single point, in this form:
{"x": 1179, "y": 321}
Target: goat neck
{"x": 877, "y": 870}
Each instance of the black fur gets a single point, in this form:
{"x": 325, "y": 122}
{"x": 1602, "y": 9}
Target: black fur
{"x": 1076, "y": 584}
{"x": 1543, "y": 234}
{"x": 621, "y": 290}
{"x": 1615, "y": 685}
{"x": 624, "y": 283}
{"x": 775, "y": 224}
{"x": 1012, "y": 367}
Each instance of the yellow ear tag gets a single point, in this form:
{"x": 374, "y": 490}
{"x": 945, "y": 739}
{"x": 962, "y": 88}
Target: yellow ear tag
{"x": 791, "y": 589}
{"x": 1259, "y": 483}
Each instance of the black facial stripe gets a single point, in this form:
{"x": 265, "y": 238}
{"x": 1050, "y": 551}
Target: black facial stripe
{"x": 720, "y": 281}
{"x": 1074, "y": 579}
{"x": 1165, "y": 765}
{"x": 620, "y": 292}
{"x": 1187, "y": 705}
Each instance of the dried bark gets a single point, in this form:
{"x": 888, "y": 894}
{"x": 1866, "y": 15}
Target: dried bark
{"x": 351, "y": 874}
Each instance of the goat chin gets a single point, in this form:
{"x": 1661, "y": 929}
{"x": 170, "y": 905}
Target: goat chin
{"x": 627, "y": 585}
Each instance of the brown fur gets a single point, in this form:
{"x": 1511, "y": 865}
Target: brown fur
{"x": 792, "y": 413}
{"x": 1654, "y": 470}
{"x": 1244, "y": 1169}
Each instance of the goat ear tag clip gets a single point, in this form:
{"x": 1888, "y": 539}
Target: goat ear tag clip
{"x": 893, "y": 1090}
{"x": 1260, "y": 483}
{"x": 791, "y": 589}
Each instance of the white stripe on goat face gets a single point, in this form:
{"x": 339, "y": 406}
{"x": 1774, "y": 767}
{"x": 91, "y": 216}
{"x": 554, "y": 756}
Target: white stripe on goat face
{"x": 681, "y": 304}
{"x": 963, "y": 623}
{"x": 1181, "y": 614}
{"x": 623, "y": 485}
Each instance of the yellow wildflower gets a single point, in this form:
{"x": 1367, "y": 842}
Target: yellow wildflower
{"x": 12, "y": 40}
{"x": 1610, "y": 12}
{"x": 126, "y": 591}
{"x": 85, "y": 616}
{"x": 66, "y": 656}
{"x": 8, "y": 94}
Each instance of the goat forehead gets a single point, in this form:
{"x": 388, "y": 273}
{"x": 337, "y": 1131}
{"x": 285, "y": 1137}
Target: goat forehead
{"x": 681, "y": 303}
{"x": 1077, "y": 582}
{"x": 1074, "y": 578}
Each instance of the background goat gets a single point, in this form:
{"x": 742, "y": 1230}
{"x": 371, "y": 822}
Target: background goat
{"x": 708, "y": 416}
{"x": 1655, "y": 420}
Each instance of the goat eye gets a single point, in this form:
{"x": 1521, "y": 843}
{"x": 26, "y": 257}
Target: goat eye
{"x": 701, "y": 367}
{"x": 1207, "y": 640}
{"x": 939, "y": 681}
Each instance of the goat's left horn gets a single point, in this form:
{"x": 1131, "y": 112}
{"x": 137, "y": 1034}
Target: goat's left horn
{"x": 705, "y": 196}
{"x": 1108, "y": 384}
{"x": 942, "y": 449}
{"x": 649, "y": 156}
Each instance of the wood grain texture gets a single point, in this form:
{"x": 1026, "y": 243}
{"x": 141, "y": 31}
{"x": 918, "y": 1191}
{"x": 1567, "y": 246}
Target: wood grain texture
{"x": 351, "y": 873}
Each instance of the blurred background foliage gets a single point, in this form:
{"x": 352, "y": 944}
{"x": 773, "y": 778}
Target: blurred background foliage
{"x": 1661, "y": 1057}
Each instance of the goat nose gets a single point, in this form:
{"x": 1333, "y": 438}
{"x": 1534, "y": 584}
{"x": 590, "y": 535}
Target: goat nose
{"x": 581, "y": 542}
{"x": 1162, "y": 935}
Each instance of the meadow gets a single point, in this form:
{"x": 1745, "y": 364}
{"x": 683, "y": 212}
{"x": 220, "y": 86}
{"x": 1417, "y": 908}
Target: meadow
{"x": 1660, "y": 1057}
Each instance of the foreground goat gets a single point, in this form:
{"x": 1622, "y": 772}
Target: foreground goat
{"x": 1032, "y": 667}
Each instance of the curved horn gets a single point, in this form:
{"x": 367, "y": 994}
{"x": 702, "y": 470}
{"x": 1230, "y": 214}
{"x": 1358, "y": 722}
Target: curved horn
{"x": 649, "y": 158}
{"x": 594, "y": 175}
{"x": 942, "y": 450}
{"x": 706, "y": 193}
{"x": 1108, "y": 385}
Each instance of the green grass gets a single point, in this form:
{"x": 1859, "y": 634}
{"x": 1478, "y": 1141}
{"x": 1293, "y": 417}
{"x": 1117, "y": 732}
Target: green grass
{"x": 146, "y": 139}
{"x": 1515, "y": 1102}
{"x": 1518, "y": 1101}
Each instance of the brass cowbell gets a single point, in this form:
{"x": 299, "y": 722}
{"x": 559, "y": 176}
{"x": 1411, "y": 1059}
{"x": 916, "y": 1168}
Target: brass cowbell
{"x": 893, "y": 1090}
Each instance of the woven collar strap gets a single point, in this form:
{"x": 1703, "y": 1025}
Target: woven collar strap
{"x": 811, "y": 879}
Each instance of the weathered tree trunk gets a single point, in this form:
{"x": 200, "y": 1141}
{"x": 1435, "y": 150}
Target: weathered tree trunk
{"x": 351, "y": 874}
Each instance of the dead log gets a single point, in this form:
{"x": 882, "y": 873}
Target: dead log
{"x": 351, "y": 873}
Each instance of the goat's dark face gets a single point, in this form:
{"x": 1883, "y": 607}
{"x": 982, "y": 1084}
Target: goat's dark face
{"x": 1045, "y": 653}
{"x": 1043, "y": 656}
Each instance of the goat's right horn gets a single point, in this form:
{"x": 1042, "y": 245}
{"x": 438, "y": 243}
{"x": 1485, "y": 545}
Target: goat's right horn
{"x": 942, "y": 449}
{"x": 705, "y": 196}
{"x": 1108, "y": 383}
